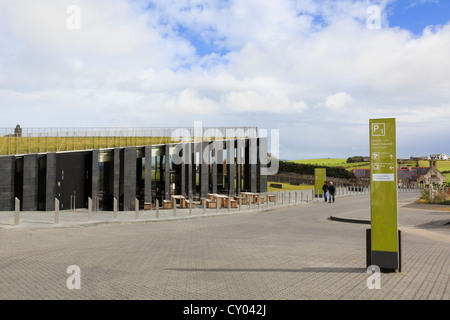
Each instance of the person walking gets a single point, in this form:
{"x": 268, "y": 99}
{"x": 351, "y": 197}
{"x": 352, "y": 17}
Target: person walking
{"x": 325, "y": 190}
{"x": 332, "y": 191}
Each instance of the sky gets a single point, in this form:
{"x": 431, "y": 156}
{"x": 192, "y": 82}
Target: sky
{"x": 313, "y": 71}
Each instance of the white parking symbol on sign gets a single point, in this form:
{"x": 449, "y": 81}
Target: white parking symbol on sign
{"x": 378, "y": 129}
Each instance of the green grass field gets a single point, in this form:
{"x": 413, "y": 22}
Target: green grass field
{"x": 324, "y": 161}
{"x": 24, "y": 145}
{"x": 442, "y": 165}
{"x": 330, "y": 162}
{"x": 447, "y": 175}
{"x": 288, "y": 187}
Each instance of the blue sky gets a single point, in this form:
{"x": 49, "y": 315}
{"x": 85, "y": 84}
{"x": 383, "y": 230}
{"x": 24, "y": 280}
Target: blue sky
{"x": 411, "y": 15}
{"x": 417, "y": 15}
{"x": 314, "y": 70}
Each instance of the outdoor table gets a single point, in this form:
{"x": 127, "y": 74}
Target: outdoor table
{"x": 251, "y": 195}
{"x": 230, "y": 202}
{"x": 179, "y": 197}
{"x": 220, "y": 199}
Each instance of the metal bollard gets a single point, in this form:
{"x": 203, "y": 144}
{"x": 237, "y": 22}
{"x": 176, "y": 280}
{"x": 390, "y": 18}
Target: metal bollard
{"x": 56, "y": 211}
{"x": 174, "y": 208}
{"x": 16, "y": 211}
{"x": 89, "y": 209}
{"x": 136, "y": 207}
{"x": 190, "y": 206}
{"x": 204, "y": 205}
{"x": 114, "y": 209}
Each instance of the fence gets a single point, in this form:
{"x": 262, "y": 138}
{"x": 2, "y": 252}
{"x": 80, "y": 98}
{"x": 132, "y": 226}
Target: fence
{"x": 266, "y": 201}
{"x": 37, "y": 140}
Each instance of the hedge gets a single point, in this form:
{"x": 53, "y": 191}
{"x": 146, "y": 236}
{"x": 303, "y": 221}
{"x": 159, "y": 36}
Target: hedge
{"x": 299, "y": 168}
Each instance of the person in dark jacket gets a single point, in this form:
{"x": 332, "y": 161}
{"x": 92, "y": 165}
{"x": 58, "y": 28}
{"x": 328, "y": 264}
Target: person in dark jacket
{"x": 325, "y": 190}
{"x": 332, "y": 191}
{"x": 159, "y": 195}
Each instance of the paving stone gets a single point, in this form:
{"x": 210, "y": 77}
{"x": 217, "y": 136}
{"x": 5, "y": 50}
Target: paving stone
{"x": 290, "y": 253}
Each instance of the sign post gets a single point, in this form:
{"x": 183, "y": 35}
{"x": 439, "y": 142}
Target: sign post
{"x": 384, "y": 238}
{"x": 320, "y": 175}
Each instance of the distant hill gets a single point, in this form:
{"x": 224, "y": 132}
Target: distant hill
{"x": 333, "y": 162}
{"x": 323, "y": 161}
{"x": 442, "y": 165}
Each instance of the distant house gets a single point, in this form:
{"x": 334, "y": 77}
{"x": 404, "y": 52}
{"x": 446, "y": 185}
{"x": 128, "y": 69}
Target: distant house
{"x": 419, "y": 177}
{"x": 17, "y": 132}
{"x": 440, "y": 156}
{"x": 410, "y": 177}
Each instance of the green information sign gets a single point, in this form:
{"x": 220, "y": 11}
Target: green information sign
{"x": 320, "y": 176}
{"x": 383, "y": 193}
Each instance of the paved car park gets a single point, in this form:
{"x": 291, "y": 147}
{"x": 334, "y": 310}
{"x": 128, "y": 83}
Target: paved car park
{"x": 290, "y": 253}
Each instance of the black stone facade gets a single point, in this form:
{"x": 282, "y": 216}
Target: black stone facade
{"x": 227, "y": 167}
{"x": 7, "y": 174}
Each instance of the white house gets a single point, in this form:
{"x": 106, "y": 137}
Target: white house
{"x": 441, "y": 156}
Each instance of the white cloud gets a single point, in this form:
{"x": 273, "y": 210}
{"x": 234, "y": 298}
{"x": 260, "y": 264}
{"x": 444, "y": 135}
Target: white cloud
{"x": 272, "y": 59}
{"x": 255, "y": 102}
{"x": 338, "y": 101}
{"x": 188, "y": 101}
